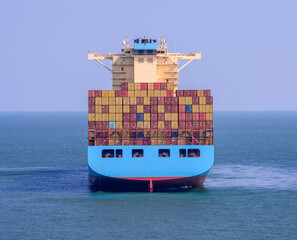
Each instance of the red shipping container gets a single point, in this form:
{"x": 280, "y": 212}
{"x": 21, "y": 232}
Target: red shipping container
{"x": 105, "y": 125}
{"x": 146, "y": 108}
{"x": 194, "y": 93}
{"x": 181, "y": 125}
{"x": 189, "y": 116}
{"x": 92, "y": 125}
{"x": 174, "y": 108}
{"x": 143, "y": 86}
{"x": 167, "y": 141}
{"x": 182, "y": 108}
{"x": 91, "y": 100}
{"x": 195, "y": 116}
{"x": 118, "y": 93}
{"x": 132, "y": 117}
{"x": 168, "y": 100}
{"x": 91, "y": 93}
{"x": 182, "y": 117}
{"x": 126, "y": 117}
{"x": 206, "y": 93}
{"x": 154, "y": 125}
{"x": 195, "y": 100}
{"x": 133, "y": 125}
{"x": 179, "y": 93}
{"x": 154, "y": 109}
{"x": 154, "y": 101}
{"x": 105, "y": 109}
{"x": 124, "y": 86}
{"x": 126, "y": 125}
{"x": 161, "y": 100}
{"x": 146, "y": 141}
{"x": 167, "y": 124}
{"x": 170, "y": 93}
{"x": 202, "y": 116}
{"x": 209, "y": 100}
{"x": 167, "y": 108}
{"x": 163, "y": 86}
{"x": 157, "y": 86}
{"x": 189, "y": 125}
{"x": 161, "y": 117}
{"x": 98, "y": 125}
{"x": 209, "y": 125}
{"x": 167, "y": 133}
{"x": 154, "y": 117}
{"x": 91, "y": 109}
{"x": 139, "y": 100}
{"x": 133, "y": 109}
{"x": 98, "y": 93}
{"x": 187, "y": 93}
{"x": 124, "y": 93}
{"x": 139, "y": 141}
{"x": 202, "y": 125}
{"x": 195, "y": 125}
{"x": 174, "y": 101}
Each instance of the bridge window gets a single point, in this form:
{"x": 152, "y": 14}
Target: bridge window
{"x": 182, "y": 152}
{"x": 107, "y": 153}
{"x": 193, "y": 153}
{"x": 150, "y": 60}
{"x": 137, "y": 152}
{"x": 119, "y": 153}
{"x": 164, "y": 153}
{"x": 140, "y": 60}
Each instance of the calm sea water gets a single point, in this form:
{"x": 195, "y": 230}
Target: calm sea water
{"x": 251, "y": 192}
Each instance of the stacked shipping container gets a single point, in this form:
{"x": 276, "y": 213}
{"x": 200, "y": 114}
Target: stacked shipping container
{"x": 150, "y": 114}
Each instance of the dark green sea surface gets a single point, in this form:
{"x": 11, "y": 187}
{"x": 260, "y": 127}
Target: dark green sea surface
{"x": 251, "y": 192}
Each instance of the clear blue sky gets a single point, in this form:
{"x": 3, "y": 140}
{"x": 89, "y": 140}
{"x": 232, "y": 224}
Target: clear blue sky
{"x": 249, "y": 49}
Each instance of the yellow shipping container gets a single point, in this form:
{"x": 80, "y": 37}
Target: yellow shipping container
{"x": 143, "y": 93}
{"x": 119, "y": 124}
{"x": 104, "y": 100}
{"x": 174, "y": 116}
{"x": 182, "y": 100}
{"x": 139, "y": 124}
{"x": 163, "y": 93}
{"x": 137, "y": 87}
{"x": 132, "y": 101}
{"x": 111, "y": 101}
{"x": 160, "y": 142}
{"x": 160, "y": 108}
{"x": 150, "y": 86}
{"x": 111, "y": 93}
{"x": 105, "y": 93}
{"x": 119, "y": 101}
{"x": 154, "y": 141}
{"x": 209, "y": 108}
{"x": 98, "y": 101}
{"x": 146, "y": 125}
{"x": 160, "y": 134}
{"x": 150, "y": 93}
{"x": 92, "y": 117}
{"x": 147, "y": 101}
{"x": 147, "y": 117}
{"x": 104, "y": 117}
{"x": 157, "y": 93}
{"x": 126, "y": 101}
{"x": 161, "y": 124}
{"x": 170, "y": 86}
{"x": 131, "y": 86}
{"x": 195, "y": 109}
{"x": 209, "y": 117}
{"x": 119, "y": 109}
{"x": 112, "y": 142}
{"x": 199, "y": 93}
{"x": 119, "y": 117}
{"x": 126, "y": 109}
{"x": 139, "y": 108}
{"x": 168, "y": 116}
{"x": 98, "y": 109}
{"x": 131, "y": 93}
{"x": 98, "y": 117}
{"x": 202, "y": 100}
{"x": 137, "y": 93}
{"x": 188, "y": 100}
{"x": 202, "y": 108}
{"x": 111, "y": 117}
{"x": 174, "y": 125}
{"x": 112, "y": 109}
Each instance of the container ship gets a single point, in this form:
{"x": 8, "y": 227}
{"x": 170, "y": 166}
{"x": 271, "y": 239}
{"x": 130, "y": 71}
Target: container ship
{"x": 145, "y": 134}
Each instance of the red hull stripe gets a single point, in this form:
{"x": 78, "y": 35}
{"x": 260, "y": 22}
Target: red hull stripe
{"x": 150, "y": 178}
